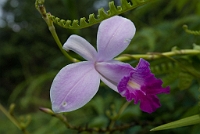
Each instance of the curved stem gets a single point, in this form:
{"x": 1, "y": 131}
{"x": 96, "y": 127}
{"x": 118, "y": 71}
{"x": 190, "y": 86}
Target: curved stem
{"x": 121, "y": 110}
{"x": 55, "y": 36}
{"x": 194, "y": 32}
{"x": 13, "y": 120}
{"x": 46, "y": 16}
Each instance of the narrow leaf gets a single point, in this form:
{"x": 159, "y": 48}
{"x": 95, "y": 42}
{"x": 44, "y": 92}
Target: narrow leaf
{"x": 195, "y": 119}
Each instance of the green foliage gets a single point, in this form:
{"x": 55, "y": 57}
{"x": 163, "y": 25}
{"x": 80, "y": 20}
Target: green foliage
{"x": 195, "y": 119}
{"x": 185, "y": 27}
{"x": 27, "y": 89}
{"x": 102, "y": 14}
{"x": 29, "y": 59}
{"x": 185, "y": 80}
{"x": 168, "y": 67}
{"x": 182, "y": 70}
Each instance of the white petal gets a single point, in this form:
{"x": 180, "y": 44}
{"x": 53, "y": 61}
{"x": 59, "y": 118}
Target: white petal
{"x": 81, "y": 47}
{"x": 114, "y": 35}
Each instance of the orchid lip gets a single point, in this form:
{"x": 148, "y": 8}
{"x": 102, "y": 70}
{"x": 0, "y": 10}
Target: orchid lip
{"x": 141, "y": 85}
{"x": 133, "y": 85}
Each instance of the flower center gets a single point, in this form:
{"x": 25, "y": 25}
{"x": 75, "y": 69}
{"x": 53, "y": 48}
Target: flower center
{"x": 133, "y": 85}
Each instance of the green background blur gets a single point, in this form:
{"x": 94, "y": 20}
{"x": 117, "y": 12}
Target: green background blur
{"x": 30, "y": 59}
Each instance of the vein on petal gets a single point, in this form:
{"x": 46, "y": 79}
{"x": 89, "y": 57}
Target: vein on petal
{"x": 78, "y": 81}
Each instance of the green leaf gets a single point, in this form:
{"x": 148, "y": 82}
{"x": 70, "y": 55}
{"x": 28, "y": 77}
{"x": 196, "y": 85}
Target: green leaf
{"x": 185, "y": 80}
{"x": 195, "y": 119}
{"x": 196, "y": 47}
{"x": 102, "y": 14}
{"x": 99, "y": 121}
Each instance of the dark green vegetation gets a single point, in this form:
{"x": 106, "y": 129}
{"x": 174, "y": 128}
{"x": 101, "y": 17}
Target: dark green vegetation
{"x": 30, "y": 58}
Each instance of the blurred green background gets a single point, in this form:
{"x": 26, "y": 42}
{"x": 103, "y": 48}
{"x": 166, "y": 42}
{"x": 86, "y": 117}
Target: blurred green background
{"x": 30, "y": 59}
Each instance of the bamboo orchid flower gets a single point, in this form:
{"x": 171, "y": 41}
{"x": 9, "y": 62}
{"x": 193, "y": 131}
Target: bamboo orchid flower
{"x": 141, "y": 85}
{"x": 77, "y": 83}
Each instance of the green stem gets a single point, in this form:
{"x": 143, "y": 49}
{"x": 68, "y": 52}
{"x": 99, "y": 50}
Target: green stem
{"x": 185, "y": 27}
{"x": 55, "y": 36}
{"x": 121, "y": 110}
{"x": 62, "y": 118}
{"x": 46, "y": 16}
{"x": 151, "y": 56}
{"x": 13, "y": 120}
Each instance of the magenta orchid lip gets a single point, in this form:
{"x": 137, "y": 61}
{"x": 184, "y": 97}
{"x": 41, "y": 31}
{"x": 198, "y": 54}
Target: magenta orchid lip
{"x": 141, "y": 85}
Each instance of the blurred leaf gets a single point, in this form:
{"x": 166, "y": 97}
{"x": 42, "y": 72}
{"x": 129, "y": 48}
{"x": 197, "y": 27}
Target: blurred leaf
{"x": 30, "y": 87}
{"x": 195, "y": 119}
{"x": 185, "y": 80}
{"x": 98, "y": 104}
{"x": 196, "y": 47}
{"x": 133, "y": 111}
{"x": 191, "y": 111}
{"x": 99, "y": 121}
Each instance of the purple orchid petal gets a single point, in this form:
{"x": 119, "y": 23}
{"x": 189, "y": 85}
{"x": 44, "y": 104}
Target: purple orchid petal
{"x": 108, "y": 83}
{"x": 81, "y": 47}
{"x": 141, "y": 85}
{"x": 144, "y": 72}
{"x": 114, "y": 35}
{"x": 150, "y": 103}
{"x": 74, "y": 86}
{"x": 112, "y": 72}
